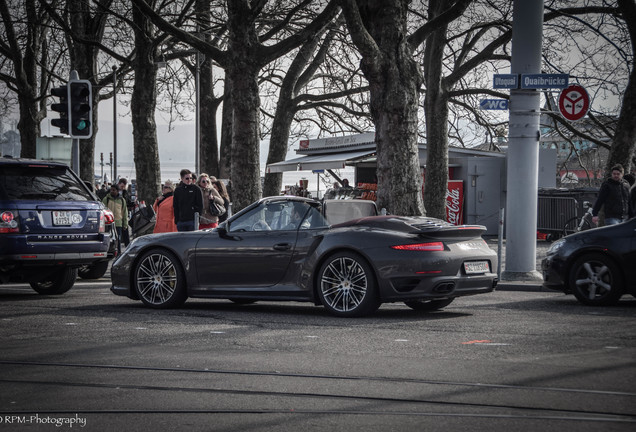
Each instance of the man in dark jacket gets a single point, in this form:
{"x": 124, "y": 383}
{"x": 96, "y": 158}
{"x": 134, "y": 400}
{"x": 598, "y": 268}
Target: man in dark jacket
{"x": 187, "y": 200}
{"x": 614, "y": 195}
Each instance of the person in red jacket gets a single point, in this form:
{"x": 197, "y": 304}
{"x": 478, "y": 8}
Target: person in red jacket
{"x": 164, "y": 212}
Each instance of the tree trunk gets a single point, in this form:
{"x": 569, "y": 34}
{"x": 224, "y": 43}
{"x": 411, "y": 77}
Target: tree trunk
{"x": 244, "y": 68}
{"x": 278, "y": 144}
{"x": 436, "y": 114}
{"x": 143, "y": 103}
{"x": 208, "y": 104}
{"x": 84, "y": 61}
{"x": 395, "y": 81}
{"x": 28, "y": 128}
{"x": 227, "y": 116}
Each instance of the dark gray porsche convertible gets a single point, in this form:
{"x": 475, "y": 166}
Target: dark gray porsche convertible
{"x": 326, "y": 252}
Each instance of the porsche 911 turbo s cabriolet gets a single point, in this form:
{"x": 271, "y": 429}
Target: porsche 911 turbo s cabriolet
{"x": 286, "y": 248}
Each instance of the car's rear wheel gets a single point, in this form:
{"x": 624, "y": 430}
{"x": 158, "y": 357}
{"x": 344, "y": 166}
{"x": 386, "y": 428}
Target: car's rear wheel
{"x": 596, "y": 280}
{"x": 428, "y": 305}
{"x": 58, "y": 283}
{"x": 93, "y": 271}
{"x": 159, "y": 280}
{"x": 346, "y": 285}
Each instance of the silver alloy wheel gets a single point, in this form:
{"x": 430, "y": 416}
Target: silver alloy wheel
{"x": 596, "y": 280}
{"x": 157, "y": 279}
{"x": 344, "y": 284}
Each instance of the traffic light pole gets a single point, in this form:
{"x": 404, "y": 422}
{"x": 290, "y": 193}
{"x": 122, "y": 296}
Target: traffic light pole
{"x": 75, "y": 157}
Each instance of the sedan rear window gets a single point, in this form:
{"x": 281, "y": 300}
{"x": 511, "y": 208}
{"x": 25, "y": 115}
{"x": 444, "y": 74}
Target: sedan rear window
{"x": 42, "y": 183}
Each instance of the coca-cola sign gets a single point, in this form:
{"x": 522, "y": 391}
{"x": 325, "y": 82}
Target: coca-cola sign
{"x": 455, "y": 202}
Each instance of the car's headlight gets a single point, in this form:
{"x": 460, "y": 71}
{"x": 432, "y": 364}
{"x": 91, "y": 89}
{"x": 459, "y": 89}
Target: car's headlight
{"x": 554, "y": 248}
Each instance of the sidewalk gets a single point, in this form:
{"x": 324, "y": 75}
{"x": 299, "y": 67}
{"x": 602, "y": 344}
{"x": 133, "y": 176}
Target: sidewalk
{"x": 508, "y": 285}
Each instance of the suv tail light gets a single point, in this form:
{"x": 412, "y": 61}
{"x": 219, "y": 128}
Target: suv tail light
{"x": 102, "y": 225}
{"x": 8, "y": 222}
{"x": 109, "y": 217}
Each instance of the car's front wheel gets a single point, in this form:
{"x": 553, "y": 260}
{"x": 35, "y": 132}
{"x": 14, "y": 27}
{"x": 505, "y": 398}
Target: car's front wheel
{"x": 346, "y": 285}
{"x": 596, "y": 280}
{"x": 159, "y": 280}
{"x": 428, "y": 305}
{"x": 58, "y": 283}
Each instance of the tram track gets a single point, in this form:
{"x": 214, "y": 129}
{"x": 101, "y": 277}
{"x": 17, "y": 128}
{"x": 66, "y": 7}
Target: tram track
{"x": 391, "y": 405}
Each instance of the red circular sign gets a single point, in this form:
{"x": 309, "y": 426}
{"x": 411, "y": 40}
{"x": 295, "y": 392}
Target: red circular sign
{"x": 574, "y": 102}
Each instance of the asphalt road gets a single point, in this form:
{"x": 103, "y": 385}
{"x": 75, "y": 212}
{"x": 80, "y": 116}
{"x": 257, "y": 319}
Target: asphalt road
{"x": 510, "y": 360}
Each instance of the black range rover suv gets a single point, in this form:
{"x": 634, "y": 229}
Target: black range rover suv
{"x": 51, "y": 225}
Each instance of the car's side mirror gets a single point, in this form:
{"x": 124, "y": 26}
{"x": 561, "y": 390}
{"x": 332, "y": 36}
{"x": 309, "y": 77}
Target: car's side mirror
{"x": 222, "y": 231}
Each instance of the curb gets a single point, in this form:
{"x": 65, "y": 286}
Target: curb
{"x": 521, "y": 286}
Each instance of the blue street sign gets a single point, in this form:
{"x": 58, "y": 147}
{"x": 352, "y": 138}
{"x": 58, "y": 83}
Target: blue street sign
{"x": 493, "y": 104}
{"x": 543, "y": 81}
{"x": 505, "y": 81}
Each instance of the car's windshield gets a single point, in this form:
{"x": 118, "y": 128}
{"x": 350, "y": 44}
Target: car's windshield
{"x": 50, "y": 183}
{"x": 279, "y": 216}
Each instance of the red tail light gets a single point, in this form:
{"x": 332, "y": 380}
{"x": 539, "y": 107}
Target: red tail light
{"x": 8, "y": 223}
{"x": 109, "y": 217}
{"x": 425, "y": 247}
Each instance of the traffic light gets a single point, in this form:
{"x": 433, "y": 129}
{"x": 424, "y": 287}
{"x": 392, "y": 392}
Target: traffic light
{"x": 61, "y": 107}
{"x": 80, "y": 109}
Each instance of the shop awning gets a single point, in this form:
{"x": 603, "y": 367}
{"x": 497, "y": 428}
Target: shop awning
{"x": 316, "y": 162}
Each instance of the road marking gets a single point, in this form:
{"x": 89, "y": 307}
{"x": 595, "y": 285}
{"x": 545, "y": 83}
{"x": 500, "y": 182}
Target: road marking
{"x": 476, "y": 342}
{"x": 401, "y": 340}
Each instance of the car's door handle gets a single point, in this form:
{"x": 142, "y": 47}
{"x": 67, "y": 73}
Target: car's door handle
{"x": 282, "y": 246}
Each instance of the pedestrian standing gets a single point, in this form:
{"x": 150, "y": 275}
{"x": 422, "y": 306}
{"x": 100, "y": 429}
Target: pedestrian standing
{"x": 117, "y": 204}
{"x": 222, "y": 190}
{"x": 210, "y": 195}
{"x": 187, "y": 200}
{"x": 122, "y": 184}
{"x": 614, "y": 197}
{"x": 164, "y": 211}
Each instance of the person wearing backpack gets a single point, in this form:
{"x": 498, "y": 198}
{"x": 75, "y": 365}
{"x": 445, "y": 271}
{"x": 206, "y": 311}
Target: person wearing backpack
{"x": 117, "y": 204}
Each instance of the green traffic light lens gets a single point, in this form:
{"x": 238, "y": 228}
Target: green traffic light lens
{"x": 81, "y": 125}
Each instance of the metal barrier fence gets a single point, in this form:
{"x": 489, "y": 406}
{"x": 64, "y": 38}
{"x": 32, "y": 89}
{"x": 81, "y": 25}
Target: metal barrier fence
{"x": 554, "y": 212}
{"x": 557, "y": 206}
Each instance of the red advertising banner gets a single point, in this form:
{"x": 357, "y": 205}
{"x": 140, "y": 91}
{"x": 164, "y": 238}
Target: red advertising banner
{"x": 455, "y": 202}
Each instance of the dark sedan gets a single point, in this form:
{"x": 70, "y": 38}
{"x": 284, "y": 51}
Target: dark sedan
{"x": 284, "y": 248}
{"x": 598, "y": 266}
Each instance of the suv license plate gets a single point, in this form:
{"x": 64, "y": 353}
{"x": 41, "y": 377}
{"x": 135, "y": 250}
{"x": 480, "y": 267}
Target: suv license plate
{"x": 474, "y": 267}
{"x": 62, "y": 218}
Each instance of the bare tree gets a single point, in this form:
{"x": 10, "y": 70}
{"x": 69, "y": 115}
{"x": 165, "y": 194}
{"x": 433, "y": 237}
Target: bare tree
{"x": 624, "y": 146}
{"x": 313, "y": 83}
{"x": 379, "y": 30}
{"x": 245, "y": 56}
{"x": 24, "y": 52}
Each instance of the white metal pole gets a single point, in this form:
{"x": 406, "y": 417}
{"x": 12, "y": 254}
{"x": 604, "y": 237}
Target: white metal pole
{"x": 523, "y": 148}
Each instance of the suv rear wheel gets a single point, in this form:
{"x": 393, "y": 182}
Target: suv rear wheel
{"x": 58, "y": 283}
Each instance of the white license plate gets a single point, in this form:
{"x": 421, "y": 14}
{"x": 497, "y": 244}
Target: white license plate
{"x": 474, "y": 267}
{"x": 62, "y": 218}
